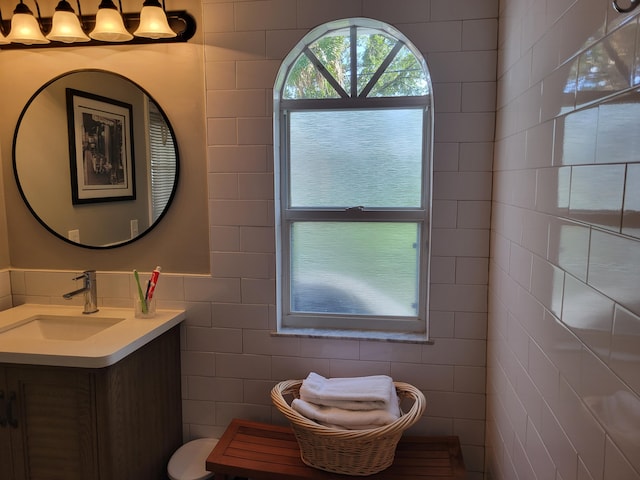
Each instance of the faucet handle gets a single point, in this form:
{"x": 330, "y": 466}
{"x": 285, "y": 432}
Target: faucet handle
{"x": 86, "y": 275}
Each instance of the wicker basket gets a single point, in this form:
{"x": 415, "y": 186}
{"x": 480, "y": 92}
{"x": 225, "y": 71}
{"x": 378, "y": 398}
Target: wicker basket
{"x": 350, "y": 452}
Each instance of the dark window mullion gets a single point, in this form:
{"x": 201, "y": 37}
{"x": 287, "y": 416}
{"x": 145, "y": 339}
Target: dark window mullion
{"x": 354, "y": 62}
{"x": 390, "y": 215}
{"x": 365, "y": 103}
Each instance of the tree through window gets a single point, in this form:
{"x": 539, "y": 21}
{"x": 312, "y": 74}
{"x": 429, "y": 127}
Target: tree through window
{"x": 353, "y": 136}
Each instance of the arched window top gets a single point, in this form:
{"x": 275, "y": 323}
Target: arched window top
{"x": 354, "y": 58}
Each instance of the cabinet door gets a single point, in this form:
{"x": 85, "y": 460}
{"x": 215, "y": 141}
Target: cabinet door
{"x": 6, "y": 467}
{"x": 139, "y": 411}
{"x": 55, "y": 437}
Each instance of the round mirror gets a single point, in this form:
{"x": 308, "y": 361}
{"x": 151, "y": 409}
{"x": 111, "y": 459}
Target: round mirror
{"x": 95, "y": 159}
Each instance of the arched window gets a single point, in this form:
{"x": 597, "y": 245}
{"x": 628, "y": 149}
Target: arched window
{"x": 353, "y": 140}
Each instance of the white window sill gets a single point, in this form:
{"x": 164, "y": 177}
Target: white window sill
{"x": 353, "y": 335}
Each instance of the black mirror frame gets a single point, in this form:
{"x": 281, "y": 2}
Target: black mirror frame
{"x": 24, "y": 197}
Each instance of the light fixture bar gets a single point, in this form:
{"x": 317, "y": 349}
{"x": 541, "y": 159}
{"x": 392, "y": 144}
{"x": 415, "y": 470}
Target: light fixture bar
{"x": 180, "y": 21}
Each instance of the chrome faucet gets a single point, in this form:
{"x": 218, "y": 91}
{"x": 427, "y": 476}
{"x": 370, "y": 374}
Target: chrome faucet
{"x": 89, "y": 289}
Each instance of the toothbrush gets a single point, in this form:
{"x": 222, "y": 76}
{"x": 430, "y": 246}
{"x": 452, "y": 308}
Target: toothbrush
{"x": 140, "y": 294}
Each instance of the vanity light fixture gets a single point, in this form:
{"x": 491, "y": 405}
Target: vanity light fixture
{"x": 109, "y": 25}
{"x": 633, "y": 4}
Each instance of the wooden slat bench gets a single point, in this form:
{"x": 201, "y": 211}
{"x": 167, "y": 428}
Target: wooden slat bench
{"x": 261, "y": 451}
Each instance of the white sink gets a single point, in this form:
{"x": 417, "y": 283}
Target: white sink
{"x": 62, "y": 336}
{"x": 60, "y": 327}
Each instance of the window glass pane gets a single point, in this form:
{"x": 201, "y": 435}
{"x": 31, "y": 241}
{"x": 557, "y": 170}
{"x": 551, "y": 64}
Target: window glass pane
{"x": 362, "y": 268}
{"x": 305, "y": 81}
{"x": 403, "y": 77}
{"x": 333, "y": 52}
{"x": 372, "y": 50}
{"x": 348, "y": 158}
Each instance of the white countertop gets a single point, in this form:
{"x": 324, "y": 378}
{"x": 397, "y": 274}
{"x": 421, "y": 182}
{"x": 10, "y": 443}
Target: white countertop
{"x": 99, "y": 350}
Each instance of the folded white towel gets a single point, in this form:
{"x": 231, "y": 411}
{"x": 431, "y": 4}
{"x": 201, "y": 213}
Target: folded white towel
{"x": 346, "y": 419}
{"x": 356, "y": 393}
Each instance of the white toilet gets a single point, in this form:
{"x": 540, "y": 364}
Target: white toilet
{"x": 188, "y": 462}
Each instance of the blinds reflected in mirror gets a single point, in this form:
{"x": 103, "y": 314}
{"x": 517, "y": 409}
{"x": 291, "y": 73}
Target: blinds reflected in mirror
{"x": 163, "y": 162}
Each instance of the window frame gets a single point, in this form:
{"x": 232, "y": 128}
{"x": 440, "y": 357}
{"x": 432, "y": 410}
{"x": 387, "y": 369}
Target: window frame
{"x": 312, "y": 323}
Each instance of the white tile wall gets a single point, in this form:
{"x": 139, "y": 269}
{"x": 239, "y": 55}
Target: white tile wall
{"x": 5, "y": 290}
{"x": 563, "y": 394}
{"x": 230, "y": 360}
{"x": 245, "y": 43}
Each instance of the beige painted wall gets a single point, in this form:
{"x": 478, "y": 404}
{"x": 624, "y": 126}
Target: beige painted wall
{"x": 4, "y": 237}
{"x": 173, "y": 76}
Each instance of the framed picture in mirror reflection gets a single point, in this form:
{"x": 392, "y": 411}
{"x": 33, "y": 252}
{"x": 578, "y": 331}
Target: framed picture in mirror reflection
{"x": 100, "y": 148}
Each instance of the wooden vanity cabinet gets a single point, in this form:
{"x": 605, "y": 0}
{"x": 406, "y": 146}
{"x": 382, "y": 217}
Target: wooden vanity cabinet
{"x": 50, "y": 423}
{"x": 6, "y": 468}
{"x": 115, "y": 423}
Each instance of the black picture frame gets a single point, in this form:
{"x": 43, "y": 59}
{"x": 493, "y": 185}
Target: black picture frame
{"x": 100, "y": 148}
